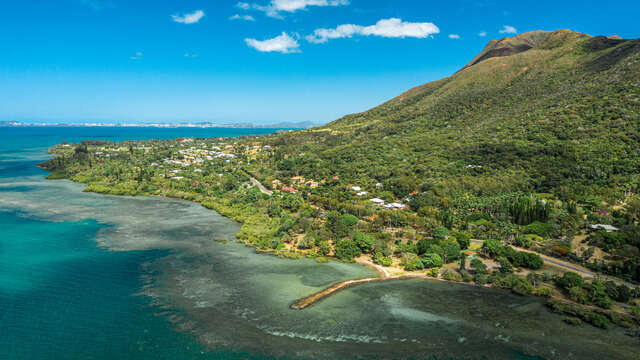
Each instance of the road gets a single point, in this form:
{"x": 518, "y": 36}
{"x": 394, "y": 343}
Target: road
{"x": 568, "y": 266}
{"x": 263, "y": 189}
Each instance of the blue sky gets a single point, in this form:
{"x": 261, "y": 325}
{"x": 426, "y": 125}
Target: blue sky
{"x": 262, "y": 61}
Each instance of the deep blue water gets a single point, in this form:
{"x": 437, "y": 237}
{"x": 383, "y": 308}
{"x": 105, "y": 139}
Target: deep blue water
{"x": 63, "y": 297}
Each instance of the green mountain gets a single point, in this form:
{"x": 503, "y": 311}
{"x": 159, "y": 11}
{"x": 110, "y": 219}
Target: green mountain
{"x": 534, "y": 140}
{"x": 543, "y": 111}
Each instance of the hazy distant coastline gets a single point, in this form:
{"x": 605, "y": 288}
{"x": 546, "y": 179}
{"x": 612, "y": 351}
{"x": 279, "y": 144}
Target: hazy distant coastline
{"x": 285, "y": 125}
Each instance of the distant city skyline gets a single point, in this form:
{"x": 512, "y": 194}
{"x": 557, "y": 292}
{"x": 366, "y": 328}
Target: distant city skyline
{"x": 260, "y": 62}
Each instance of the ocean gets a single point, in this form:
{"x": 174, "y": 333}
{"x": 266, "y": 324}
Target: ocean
{"x": 88, "y": 276}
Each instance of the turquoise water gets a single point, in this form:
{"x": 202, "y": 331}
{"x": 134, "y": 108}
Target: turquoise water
{"x": 87, "y": 276}
{"x": 63, "y": 297}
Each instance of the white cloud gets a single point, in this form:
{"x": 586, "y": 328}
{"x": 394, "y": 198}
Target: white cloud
{"x": 482, "y": 34}
{"x": 454, "y": 36}
{"x": 242, "y": 17}
{"x": 295, "y": 5}
{"x": 137, "y": 56}
{"x": 191, "y": 18}
{"x": 187, "y": 55}
{"x": 283, "y": 44}
{"x": 390, "y": 28}
{"x": 507, "y": 29}
{"x": 275, "y": 7}
{"x": 243, "y": 5}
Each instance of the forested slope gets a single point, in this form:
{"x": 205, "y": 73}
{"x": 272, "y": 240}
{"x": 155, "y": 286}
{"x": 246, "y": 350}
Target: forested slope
{"x": 542, "y": 112}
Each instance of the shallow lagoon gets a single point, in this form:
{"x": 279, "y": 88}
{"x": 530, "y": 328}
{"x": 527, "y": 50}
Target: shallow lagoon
{"x": 92, "y": 276}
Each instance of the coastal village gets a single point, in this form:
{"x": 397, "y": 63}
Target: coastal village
{"x": 330, "y": 217}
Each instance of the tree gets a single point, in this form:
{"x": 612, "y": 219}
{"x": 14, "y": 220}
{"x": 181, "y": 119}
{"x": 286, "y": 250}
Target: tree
{"x": 451, "y": 251}
{"x": 478, "y": 266}
{"x": 463, "y": 260}
{"x": 491, "y": 247}
{"x": 440, "y": 233}
{"x": 412, "y": 262}
{"x": 424, "y": 245}
{"x": 346, "y": 250}
{"x": 324, "y": 247}
{"x": 363, "y": 241}
{"x": 432, "y": 260}
{"x": 505, "y": 266}
{"x": 464, "y": 239}
{"x": 569, "y": 280}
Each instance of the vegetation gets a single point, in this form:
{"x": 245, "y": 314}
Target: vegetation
{"x": 528, "y": 150}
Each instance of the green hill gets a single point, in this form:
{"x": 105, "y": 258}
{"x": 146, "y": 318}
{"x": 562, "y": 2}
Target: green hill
{"x": 536, "y": 139}
{"x": 541, "y": 112}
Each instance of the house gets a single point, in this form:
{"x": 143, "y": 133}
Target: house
{"x": 289, "y": 189}
{"x": 362, "y": 193}
{"x": 377, "y": 201}
{"x": 336, "y": 178}
{"x": 312, "y": 184}
{"x": 396, "y": 205}
{"x": 379, "y": 186}
{"x": 607, "y": 228}
{"x": 297, "y": 179}
{"x": 276, "y": 184}
{"x": 356, "y": 188}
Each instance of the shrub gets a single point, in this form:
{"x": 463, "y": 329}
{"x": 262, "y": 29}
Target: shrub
{"x": 538, "y": 228}
{"x": 569, "y": 280}
{"x": 363, "y": 241}
{"x": 411, "y": 262}
{"x": 544, "y": 291}
{"x": 451, "y": 275}
{"x": 481, "y": 279}
{"x": 598, "y": 320}
{"x": 574, "y": 321}
{"x": 432, "y": 260}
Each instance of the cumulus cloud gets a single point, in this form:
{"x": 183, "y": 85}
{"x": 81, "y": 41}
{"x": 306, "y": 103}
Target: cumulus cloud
{"x": 137, "y": 56}
{"x": 482, "y": 34}
{"x": 191, "y": 18}
{"x": 187, "y": 55}
{"x": 284, "y": 44}
{"x": 507, "y": 29}
{"x": 242, "y": 17}
{"x": 454, "y": 36}
{"x": 390, "y": 28}
{"x": 275, "y": 7}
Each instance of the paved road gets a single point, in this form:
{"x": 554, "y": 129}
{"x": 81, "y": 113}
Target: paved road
{"x": 263, "y": 189}
{"x": 569, "y": 266}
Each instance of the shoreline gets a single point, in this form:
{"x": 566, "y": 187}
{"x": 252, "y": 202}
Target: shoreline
{"x": 382, "y": 272}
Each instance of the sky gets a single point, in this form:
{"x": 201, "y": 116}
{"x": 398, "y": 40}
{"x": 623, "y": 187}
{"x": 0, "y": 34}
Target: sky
{"x": 261, "y": 61}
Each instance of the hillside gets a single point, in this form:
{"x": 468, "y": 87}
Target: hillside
{"x": 535, "y": 144}
{"x": 538, "y": 112}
